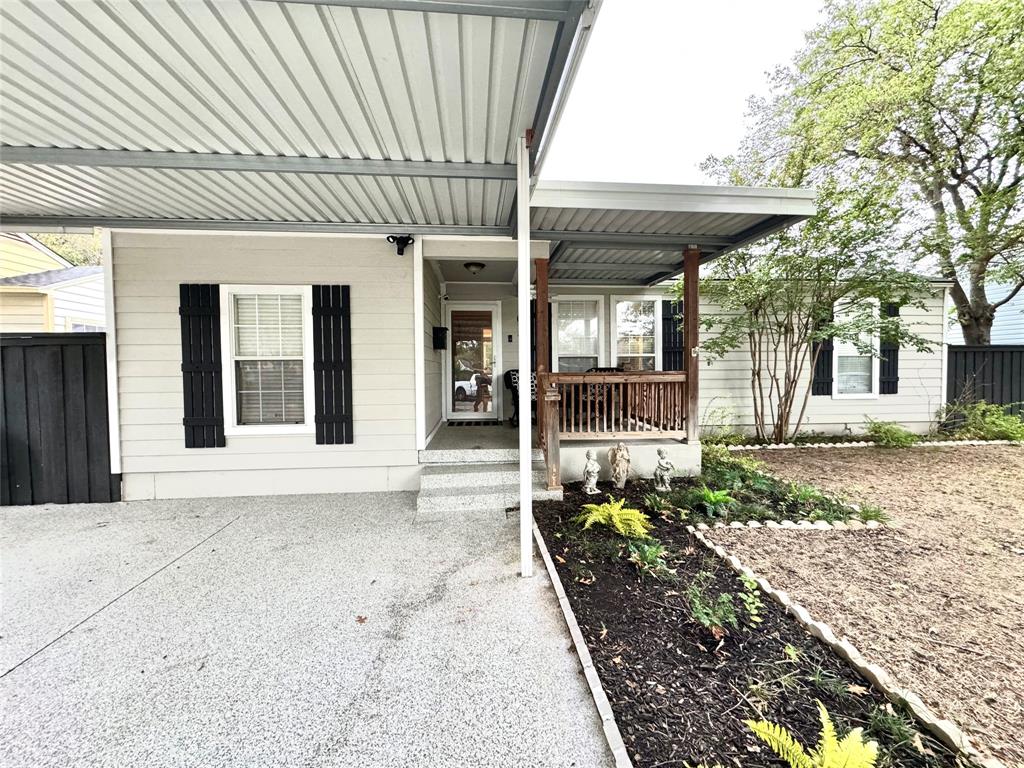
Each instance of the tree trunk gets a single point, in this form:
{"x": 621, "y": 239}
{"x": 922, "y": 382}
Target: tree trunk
{"x": 977, "y": 331}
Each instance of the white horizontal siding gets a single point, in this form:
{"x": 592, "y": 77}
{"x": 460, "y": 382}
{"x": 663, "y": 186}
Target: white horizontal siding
{"x": 148, "y": 269}
{"x": 79, "y": 302}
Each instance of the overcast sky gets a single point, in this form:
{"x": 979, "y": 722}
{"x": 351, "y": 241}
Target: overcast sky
{"x": 664, "y": 83}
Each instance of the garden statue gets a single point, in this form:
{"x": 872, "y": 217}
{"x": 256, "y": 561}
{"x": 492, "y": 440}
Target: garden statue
{"x": 590, "y": 472}
{"x": 663, "y": 472}
{"x": 618, "y": 457}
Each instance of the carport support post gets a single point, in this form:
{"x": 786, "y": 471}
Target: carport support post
{"x": 523, "y": 296}
{"x": 691, "y": 339}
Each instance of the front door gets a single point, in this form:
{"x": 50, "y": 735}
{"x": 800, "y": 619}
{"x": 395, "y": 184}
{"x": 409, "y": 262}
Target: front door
{"x": 473, "y": 361}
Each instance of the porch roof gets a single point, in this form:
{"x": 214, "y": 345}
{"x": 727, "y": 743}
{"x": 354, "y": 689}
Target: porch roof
{"x": 322, "y": 115}
{"x": 635, "y": 233}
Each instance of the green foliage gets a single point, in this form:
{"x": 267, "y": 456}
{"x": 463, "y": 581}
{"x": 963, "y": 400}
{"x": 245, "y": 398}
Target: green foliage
{"x": 852, "y": 751}
{"x": 80, "y": 250}
{"x": 871, "y": 512}
{"x": 649, "y": 558}
{"x": 631, "y": 523}
{"x": 716, "y": 613}
{"x": 985, "y": 421}
{"x": 928, "y": 95}
{"x": 888, "y": 434}
{"x": 657, "y": 503}
{"x": 826, "y": 681}
{"x": 750, "y": 596}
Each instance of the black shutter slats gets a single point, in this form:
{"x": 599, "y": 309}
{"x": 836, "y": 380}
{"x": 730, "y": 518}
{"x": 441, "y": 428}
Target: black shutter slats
{"x": 889, "y": 366}
{"x": 201, "y": 379}
{"x": 821, "y": 383}
{"x": 332, "y": 365}
{"x": 673, "y": 342}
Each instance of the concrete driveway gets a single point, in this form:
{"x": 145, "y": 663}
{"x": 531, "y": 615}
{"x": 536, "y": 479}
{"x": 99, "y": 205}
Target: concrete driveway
{"x": 291, "y": 631}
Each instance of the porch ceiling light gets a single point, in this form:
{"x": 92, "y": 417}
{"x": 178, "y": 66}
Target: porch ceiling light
{"x": 474, "y": 267}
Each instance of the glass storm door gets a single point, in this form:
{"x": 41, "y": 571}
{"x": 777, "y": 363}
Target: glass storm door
{"x": 473, "y": 362}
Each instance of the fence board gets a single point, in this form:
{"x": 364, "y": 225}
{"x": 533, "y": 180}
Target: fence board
{"x": 994, "y": 374}
{"x": 53, "y": 419}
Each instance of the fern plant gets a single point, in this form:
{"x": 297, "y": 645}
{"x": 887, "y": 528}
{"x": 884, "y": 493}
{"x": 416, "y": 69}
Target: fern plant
{"x": 852, "y": 751}
{"x": 716, "y": 503}
{"x": 614, "y": 514}
{"x": 649, "y": 558}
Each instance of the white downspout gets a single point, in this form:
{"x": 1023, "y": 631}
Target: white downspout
{"x": 525, "y": 420}
{"x": 419, "y": 339}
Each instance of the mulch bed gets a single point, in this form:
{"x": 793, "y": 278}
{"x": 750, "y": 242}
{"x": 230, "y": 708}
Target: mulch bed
{"x": 680, "y": 695}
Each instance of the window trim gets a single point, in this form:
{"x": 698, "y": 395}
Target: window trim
{"x": 613, "y": 345}
{"x": 231, "y": 425}
{"x": 875, "y": 365}
{"x": 602, "y": 344}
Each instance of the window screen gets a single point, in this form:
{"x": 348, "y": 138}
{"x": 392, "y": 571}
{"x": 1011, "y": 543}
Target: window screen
{"x": 578, "y": 336}
{"x": 634, "y": 329}
{"x": 268, "y": 346}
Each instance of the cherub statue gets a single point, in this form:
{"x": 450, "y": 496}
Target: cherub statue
{"x": 663, "y": 472}
{"x": 590, "y": 472}
{"x": 618, "y": 457}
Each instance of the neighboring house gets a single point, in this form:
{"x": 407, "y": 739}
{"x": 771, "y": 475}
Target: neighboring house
{"x": 68, "y": 300}
{"x": 1008, "y": 325}
{"x": 22, "y": 255}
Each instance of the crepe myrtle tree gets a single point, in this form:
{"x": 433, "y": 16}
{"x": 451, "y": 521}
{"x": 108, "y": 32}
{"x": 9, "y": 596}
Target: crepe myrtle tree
{"x": 826, "y": 277}
{"x": 930, "y": 92}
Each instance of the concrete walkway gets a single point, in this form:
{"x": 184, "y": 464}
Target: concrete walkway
{"x": 287, "y": 631}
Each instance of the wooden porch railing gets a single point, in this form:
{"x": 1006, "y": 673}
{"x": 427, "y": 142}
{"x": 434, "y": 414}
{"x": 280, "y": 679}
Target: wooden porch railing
{"x": 608, "y": 406}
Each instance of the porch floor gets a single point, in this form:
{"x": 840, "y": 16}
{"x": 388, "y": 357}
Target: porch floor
{"x": 450, "y": 438}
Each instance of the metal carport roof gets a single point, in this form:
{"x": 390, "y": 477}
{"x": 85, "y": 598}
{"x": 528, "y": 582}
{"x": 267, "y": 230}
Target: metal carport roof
{"x": 635, "y": 233}
{"x": 348, "y": 115}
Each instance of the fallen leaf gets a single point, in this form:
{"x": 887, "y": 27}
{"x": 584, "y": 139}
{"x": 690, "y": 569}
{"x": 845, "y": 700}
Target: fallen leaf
{"x": 604, "y": 632}
{"x": 856, "y": 690}
{"x": 360, "y": 619}
{"x": 560, "y": 559}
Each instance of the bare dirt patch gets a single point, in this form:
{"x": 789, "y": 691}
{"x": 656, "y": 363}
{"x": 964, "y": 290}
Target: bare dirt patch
{"x": 938, "y": 597}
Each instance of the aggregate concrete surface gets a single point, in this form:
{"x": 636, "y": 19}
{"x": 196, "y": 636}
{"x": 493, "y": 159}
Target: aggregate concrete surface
{"x": 281, "y": 631}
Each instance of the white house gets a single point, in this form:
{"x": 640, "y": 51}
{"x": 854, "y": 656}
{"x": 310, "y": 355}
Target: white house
{"x": 324, "y": 221}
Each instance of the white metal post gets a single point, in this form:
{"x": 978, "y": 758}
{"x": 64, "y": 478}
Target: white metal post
{"x": 418, "y": 340}
{"x": 525, "y": 421}
{"x": 113, "y": 409}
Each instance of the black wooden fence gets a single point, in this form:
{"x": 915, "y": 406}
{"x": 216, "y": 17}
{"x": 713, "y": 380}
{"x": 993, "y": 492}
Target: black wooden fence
{"x": 994, "y": 374}
{"x": 53, "y": 419}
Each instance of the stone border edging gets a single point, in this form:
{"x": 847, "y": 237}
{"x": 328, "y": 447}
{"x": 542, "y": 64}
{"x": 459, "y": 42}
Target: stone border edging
{"x": 604, "y": 707}
{"x": 866, "y": 444}
{"x": 804, "y": 525}
{"x": 948, "y": 732}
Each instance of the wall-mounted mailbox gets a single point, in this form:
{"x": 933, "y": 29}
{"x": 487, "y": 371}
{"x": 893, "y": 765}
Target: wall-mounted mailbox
{"x": 440, "y": 337}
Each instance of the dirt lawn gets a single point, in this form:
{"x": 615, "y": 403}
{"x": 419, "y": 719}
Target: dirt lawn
{"x": 937, "y": 598}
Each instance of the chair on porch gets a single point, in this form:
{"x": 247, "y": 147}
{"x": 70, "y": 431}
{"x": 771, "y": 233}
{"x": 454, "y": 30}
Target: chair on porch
{"x": 511, "y": 378}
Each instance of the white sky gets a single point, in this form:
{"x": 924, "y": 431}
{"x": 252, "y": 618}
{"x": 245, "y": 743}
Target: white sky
{"x": 664, "y": 83}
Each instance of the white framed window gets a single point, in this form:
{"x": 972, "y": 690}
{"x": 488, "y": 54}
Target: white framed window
{"x": 267, "y": 351}
{"x": 577, "y": 338}
{"x": 636, "y": 333}
{"x": 855, "y": 373}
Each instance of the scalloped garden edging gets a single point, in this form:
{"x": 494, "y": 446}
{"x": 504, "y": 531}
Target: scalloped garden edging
{"x": 804, "y": 525}
{"x": 865, "y": 444}
{"x": 948, "y": 732}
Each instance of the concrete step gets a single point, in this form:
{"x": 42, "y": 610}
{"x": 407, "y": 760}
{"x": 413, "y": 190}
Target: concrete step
{"x": 474, "y": 475}
{"x": 437, "y": 502}
{"x": 475, "y": 456}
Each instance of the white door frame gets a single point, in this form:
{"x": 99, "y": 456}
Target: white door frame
{"x": 494, "y": 307}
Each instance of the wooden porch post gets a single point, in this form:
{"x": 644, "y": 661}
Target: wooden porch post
{"x": 691, "y": 339}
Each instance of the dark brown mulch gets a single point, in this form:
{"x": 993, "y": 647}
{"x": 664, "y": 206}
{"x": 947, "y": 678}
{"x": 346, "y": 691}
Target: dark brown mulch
{"x": 680, "y": 695}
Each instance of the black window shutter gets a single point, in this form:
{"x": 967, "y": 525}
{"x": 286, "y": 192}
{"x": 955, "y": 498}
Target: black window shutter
{"x": 821, "y": 383}
{"x": 533, "y": 335}
{"x": 889, "y": 366}
{"x": 201, "y": 378}
{"x": 332, "y": 364}
{"x": 673, "y": 343}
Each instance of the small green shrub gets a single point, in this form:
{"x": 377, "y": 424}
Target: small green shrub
{"x": 631, "y": 523}
{"x": 649, "y": 558}
{"x": 750, "y": 596}
{"x": 852, "y": 751}
{"x": 869, "y": 512}
{"x": 985, "y": 421}
{"x": 889, "y": 434}
{"x": 657, "y": 503}
{"x": 715, "y": 613}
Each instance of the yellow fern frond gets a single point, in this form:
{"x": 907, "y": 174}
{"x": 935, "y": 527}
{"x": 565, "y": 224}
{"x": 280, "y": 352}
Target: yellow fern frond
{"x": 828, "y": 743}
{"x": 782, "y": 743}
{"x": 855, "y": 752}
